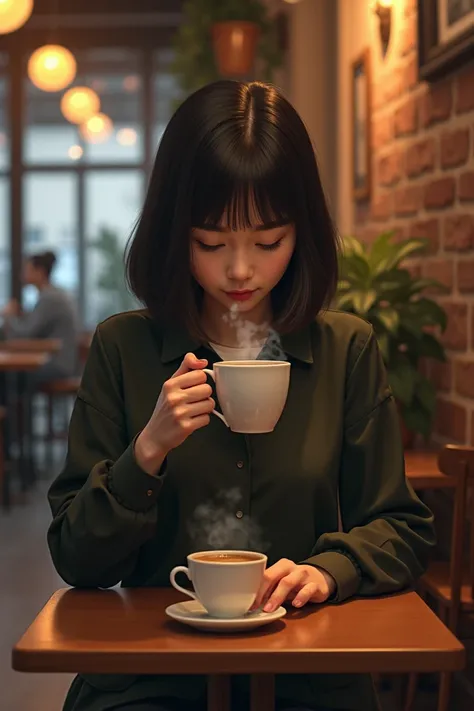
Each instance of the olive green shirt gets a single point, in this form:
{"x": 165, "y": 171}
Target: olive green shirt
{"x": 338, "y": 437}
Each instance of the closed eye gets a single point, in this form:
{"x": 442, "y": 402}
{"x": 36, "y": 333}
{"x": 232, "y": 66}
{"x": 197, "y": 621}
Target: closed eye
{"x": 208, "y": 247}
{"x": 270, "y": 247}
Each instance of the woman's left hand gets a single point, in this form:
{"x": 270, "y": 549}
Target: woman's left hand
{"x": 286, "y": 580}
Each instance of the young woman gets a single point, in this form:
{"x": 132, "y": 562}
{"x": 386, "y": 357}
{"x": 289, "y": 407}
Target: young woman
{"x": 54, "y": 316}
{"x": 235, "y": 230}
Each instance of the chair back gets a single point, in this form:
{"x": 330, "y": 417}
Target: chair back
{"x": 457, "y": 461}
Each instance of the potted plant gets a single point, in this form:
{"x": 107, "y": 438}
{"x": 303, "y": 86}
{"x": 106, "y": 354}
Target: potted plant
{"x": 375, "y": 286}
{"x": 224, "y": 38}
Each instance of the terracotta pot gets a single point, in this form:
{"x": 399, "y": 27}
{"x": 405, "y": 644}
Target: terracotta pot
{"x": 235, "y": 46}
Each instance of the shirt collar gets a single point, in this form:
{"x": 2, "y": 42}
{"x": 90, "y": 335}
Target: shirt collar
{"x": 177, "y": 342}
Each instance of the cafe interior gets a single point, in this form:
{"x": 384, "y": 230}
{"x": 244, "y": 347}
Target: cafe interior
{"x": 386, "y": 91}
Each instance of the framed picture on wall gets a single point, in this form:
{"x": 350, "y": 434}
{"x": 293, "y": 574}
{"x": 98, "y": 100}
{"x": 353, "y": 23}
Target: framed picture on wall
{"x": 445, "y": 36}
{"x": 361, "y": 126}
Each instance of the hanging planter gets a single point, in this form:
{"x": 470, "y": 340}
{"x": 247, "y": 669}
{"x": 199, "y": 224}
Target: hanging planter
{"x": 235, "y": 46}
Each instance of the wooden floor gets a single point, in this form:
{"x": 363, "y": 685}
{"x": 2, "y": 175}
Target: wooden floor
{"x": 27, "y": 579}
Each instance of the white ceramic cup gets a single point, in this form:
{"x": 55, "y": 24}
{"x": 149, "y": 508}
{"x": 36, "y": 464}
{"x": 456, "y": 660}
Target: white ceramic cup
{"x": 251, "y": 393}
{"x": 224, "y": 588}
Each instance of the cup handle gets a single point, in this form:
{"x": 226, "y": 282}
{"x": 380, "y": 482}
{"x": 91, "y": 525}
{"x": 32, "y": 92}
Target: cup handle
{"x": 219, "y": 415}
{"x": 173, "y": 574}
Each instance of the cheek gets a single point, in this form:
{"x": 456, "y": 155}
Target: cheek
{"x": 276, "y": 267}
{"x": 201, "y": 268}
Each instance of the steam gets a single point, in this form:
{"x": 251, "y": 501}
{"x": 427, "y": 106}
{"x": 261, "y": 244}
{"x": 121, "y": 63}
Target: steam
{"x": 251, "y": 335}
{"x": 215, "y": 526}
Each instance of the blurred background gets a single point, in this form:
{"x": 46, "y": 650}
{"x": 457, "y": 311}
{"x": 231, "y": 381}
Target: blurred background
{"x": 386, "y": 89}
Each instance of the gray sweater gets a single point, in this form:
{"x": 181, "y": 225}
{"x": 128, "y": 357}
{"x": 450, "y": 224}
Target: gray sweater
{"x": 54, "y": 316}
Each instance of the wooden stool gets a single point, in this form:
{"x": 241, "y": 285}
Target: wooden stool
{"x": 451, "y": 583}
{"x": 3, "y": 415}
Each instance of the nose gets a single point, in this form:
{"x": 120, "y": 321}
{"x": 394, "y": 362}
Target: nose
{"x": 239, "y": 267}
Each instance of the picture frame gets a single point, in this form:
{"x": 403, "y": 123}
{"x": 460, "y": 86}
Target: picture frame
{"x": 445, "y": 36}
{"x": 361, "y": 126}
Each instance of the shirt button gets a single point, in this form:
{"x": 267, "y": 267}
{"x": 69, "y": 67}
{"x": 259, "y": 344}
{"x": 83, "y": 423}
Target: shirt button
{"x": 239, "y": 514}
{"x": 149, "y": 492}
{"x": 240, "y": 464}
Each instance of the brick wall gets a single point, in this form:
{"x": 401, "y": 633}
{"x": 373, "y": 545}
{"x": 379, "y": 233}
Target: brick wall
{"x": 423, "y": 185}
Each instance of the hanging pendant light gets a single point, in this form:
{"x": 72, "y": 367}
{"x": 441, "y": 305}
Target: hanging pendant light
{"x": 79, "y": 104}
{"x": 52, "y": 67}
{"x": 14, "y": 14}
{"x": 96, "y": 129}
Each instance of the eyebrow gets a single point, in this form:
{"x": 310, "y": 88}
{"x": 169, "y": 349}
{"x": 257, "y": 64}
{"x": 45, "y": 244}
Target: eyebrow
{"x": 259, "y": 228}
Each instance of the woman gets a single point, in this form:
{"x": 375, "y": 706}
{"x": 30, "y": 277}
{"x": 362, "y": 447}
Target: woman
{"x": 54, "y": 317}
{"x": 235, "y": 236}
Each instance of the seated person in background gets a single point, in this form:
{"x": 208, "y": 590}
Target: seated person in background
{"x": 54, "y": 316}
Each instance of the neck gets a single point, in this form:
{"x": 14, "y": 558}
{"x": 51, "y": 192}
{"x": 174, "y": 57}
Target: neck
{"x": 42, "y": 285}
{"x": 230, "y": 328}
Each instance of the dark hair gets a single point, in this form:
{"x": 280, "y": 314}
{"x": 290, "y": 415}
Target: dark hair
{"x": 232, "y": 151}
{"x": 44, "y": 261}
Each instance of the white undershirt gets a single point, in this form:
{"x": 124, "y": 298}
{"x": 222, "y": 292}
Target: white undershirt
{"x": 250, "y": 352}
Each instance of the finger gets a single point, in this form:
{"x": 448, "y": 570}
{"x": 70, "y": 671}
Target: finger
{"x": 190, "y": 362}
{"x": 271, "y": 577}
{"x": 308, "y": 592}
{"x": 188, "y": 380}
{"x": 196, "y": 393}
{"x": 195, "y": 423}
{"x": 283, "y": 590}
{"x": 186, "y": 412}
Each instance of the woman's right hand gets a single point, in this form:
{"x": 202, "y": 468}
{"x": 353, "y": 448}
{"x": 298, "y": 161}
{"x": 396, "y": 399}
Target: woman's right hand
{"x": 183, "y": 406}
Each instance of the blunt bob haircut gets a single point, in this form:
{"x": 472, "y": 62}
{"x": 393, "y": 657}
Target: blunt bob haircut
{"x": 233, "y": 153}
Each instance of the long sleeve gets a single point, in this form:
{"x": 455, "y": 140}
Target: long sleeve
{"x": 103, "y": 503}
{"x": 33, "y": 324}
{"x": 387, "y": 532}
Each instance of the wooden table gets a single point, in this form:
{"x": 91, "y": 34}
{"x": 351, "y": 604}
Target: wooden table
{"x": 31, "y": 345}
{"x": 421, "y": 468}
{"x": 127, "y": 631}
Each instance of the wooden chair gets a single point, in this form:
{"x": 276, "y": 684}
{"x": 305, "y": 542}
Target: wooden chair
{"x": 63, "y": 388}
{"x": 3, "y": 415}
{"x": 451, "y": 583}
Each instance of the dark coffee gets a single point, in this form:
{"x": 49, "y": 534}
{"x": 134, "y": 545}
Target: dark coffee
{"x": 227, "y": 557}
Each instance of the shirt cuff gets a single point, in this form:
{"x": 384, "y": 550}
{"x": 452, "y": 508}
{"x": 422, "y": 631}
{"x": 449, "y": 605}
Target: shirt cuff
{"x": 344, "y": 571}
{"x": 132, "y": 487}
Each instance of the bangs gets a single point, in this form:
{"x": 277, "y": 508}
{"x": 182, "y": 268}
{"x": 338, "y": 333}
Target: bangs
{"x": 221, "y": 202}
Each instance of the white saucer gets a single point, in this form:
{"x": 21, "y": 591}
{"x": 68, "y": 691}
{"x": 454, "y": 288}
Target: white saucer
{"x": 193, "y": 613}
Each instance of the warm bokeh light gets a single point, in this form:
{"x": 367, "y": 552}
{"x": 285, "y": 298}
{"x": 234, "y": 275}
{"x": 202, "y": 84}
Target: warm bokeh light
{"x": 127, "y": 136}
{"x": 14, "y": 14}
{"x": 97, "y": 129}
{"x": 75, "y": 152}
{"x": 52, "y": 67}
{"x": 79, "y": 103}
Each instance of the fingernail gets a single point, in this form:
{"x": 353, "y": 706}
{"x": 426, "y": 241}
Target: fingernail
{"x": 297, "y": 603}
{"x": 268, "y": 607}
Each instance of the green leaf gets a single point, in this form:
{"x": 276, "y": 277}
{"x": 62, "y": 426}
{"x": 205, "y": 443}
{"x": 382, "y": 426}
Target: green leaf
{"x": 381, "y": 248}
{"x": 402, "y": 377}
{"x": 429, "y": 313}
{"x": 389, "y": 318}
{"x": 384, "y": 346}
{"x": 426, "y": 394}
{"x": 363, "y": 300}
{"x": 405, "y": 249}
{"x": 419, "y": 285}
{"x": 351, "y": 245}
{"x": 417, "y": 419}
{"x": 357, "y": 270}
{"x": 430, "y": 347}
